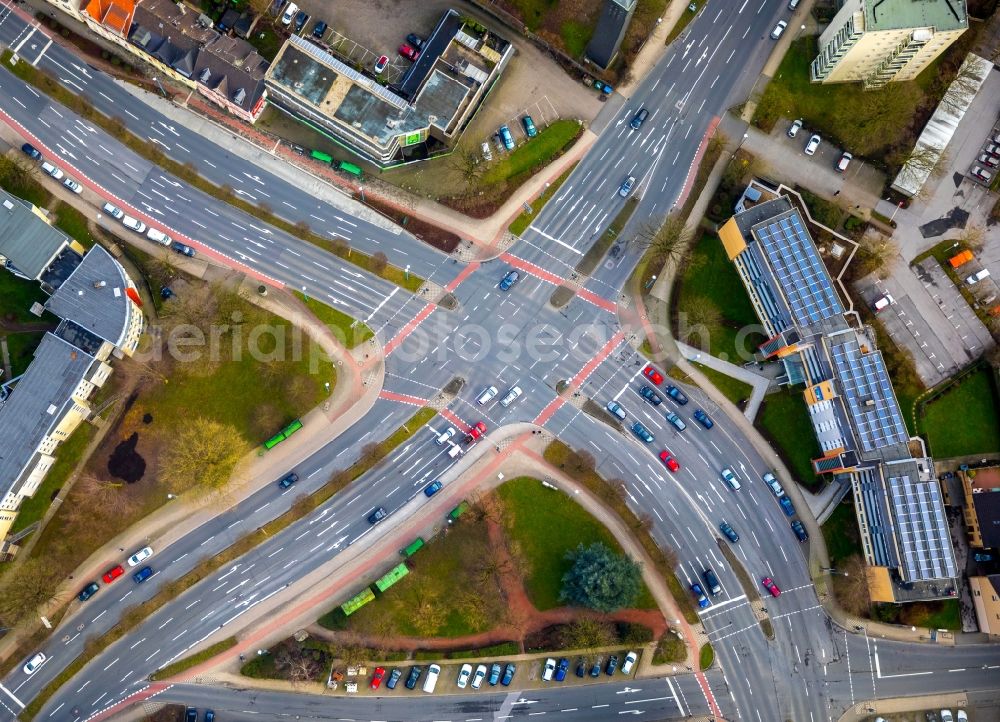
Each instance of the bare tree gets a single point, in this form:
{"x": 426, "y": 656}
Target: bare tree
{"x": 669, "y": 241}
{"x": 876, "y": 253}
{"x": 466, "y": 162}
{"x": 25, "y": 588}
{"x": 852, "y": 590}
{"x": 974, "y": 237}
{"x": 586, "y": 633}
{"x": 260, "y": 8}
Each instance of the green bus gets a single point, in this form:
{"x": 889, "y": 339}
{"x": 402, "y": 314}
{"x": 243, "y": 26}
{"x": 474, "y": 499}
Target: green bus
{"x": 283, "y": 434}
{"x": 391, "y": 577}
{"x": 350, "y": 168}
{"x": 413, "y": 547}
{"x": 357, "y": 601}
{"x": 458, "y": 511}
{"x": 321, "y": 157}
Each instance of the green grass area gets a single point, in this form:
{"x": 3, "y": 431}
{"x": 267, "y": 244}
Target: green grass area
{"x": 669, "y": 649}
{"x": 533, "y": 154}
{"x": 16, "y": 297}
{"x": 841, "y": 532}
{"x": 940, "y": 614}
{"x": 347, "y": 330}
{"x": 68, "y": 455}
{"x": 267, "y": 41}
{"x": 182, "y": 665}
{"x": 21, "y": 347}
{"x": 733, "y": 389}
{"x": 575, "y": 36}
{"x": 713, "y": 306}
{"x": 73, "y": 223}
{"x": 784, "y": 419}
{"x": 546, "y": 525}
{"x": 706, "y": 656}
{"x": 521, "y": 223}
{"x": 683, "y": 21}
{"x": 965, "y": 418}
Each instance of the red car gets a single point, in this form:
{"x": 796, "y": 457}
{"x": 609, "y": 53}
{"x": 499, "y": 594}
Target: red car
{"x": 667, "y": 458}
{"x": 112, "y": 574}
{"x": 476, "y": 432}
{"x": 409, "y": 53}
{"x": 771, "y": 586}
{"x": 378, "y": 677}
{"x": 383, "y": 60}
{"x": 653, "y": 375}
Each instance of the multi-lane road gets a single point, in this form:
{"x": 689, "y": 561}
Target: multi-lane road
{"x": 809, "y": 670}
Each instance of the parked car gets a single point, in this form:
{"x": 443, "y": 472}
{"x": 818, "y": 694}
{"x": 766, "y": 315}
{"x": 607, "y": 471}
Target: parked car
{"x": 770, "y": 586}
{"x": 73, "y": 186}
{"x": 630, "y": 660}
{"x": 34, "y": 663}
{"x": 409, "y": 52}
{"x": 463, "y": 675}
{"x": 393, "y": 678}
{"x": 159, "y": 237}
{"x": 133, "y": 224}
{"x": 615, "y": 409}
{"x": 982, "y": 174}
{"x": 487, "y": 153}
{"x": 52, "y": 170}
{"x": 773, "y": 484}
{"x": 612, "y": 665}
{"x": 704, "y": 419}
{"x": 642, "y": 432}
{"x": 989, "y": 160}
{"x": 699, "y": 595}
{"x": 433, "y": 488}
{"x": 300, "y": 20}
{"x": 495, "y": 670}
{"x": 800, "y": 531}
{"x": 638, "y": 119}
{"x": 626, "y": 187}
{"x": 506, "y": 137}
{"x": 381, "y": 63}
{"x": 529, "y": 126}
{"x": 675, "y": 420}
{"x": 29, "y": 150}
{"x": 595, "y": 670}
{"x": 982, "y": 557}
{"x": 509, "y": 279}
{"x": 712, "y": 582}
{"x": 548, "y": 670}
{"x": 488, "y": 393}
{"x": 730, "y": 533}
{"x": 190, "y": 715}
{"x": 377, "y": 677}
{"x": 845, "y": 160}
{"x": 677, "y": 395}
{"x": 209, "y": 716}
{"x": 561, "y": 669}
{"x": 114, "y": 211}
{"x": 650, "y": 395}
{"x": 653, "y": 375}
{"x": 182, "y": 248}
{"x": 478, "y": 676}
{"x": 140, "y": 556}
{"x": 88, "y": 591}
{"x": 669, "y": 461}
{"x": 511, "y": 396}
{"x": 415, "y": 40}
{"x": 142, "y": 575}
{"x": 378, "y": 515}
{"x": 794, "y": 128}
{"x": 413, "y": 677}
{"x": 319, "y": 30}
{"x": 977, "y": 276}
{"x": 730, "y": 478}
{"x": 508, "y": 674}
{"x": 112, "y": 574}
{"x": 289, "y": 15}
{"x": 813, "y": 144}
{"x": 882, "y": 302}
{"x": 787, "y": 506}
{"x": 778, "y": 29}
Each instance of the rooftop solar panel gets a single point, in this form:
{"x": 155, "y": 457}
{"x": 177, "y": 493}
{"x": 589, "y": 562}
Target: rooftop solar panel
{"x": 869, "y": 396}
{"x": 921, "y": 529}
{"x": 798, "y": 268}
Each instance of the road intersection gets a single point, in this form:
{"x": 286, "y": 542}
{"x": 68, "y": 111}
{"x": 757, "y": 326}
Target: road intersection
{"x": 810, "y": 670}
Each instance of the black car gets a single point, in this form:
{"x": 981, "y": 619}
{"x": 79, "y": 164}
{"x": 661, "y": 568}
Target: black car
{"x": 508, "y": 674}
{"x": 191, "y": 715}
{"x": 319, "y": 29}
{"x": 29, "y": 150}
{"x": 638, "y": 119}
{"x": 300, "y": 20}
{"x": 612, "y": 665}
{"x": 378, "y": 515}
{"x": 288, "y": 481}
{"x": 730, "y": 533}
{"x": 209, "y": 715}
{"x": 411, "y": 679}
{"x": 88, "y": 591}
{"x": 800, "y": 531}
{"x": 581, "y": 668}
{"x": 182, "y": 248}
{"x": 677, "y": 395}
{"x": 702, "y": 418}
{"x": 415, "y": 40}
{"x": 650, "y": 395}
{"x": 394, "y": 678}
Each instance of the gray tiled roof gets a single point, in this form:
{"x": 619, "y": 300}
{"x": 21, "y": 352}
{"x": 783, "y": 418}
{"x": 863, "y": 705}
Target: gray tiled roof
{"x": 26, "y": 240}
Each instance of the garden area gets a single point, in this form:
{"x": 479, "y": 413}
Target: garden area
{"x": 502, "y": 575}
{"x": 964, "y": 418}
{"x": 711, "y": 307}
{"x": 784, "y": 421}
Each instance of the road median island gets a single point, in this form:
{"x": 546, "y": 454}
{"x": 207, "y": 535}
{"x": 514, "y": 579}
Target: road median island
{"x": 301, "y": 507}
{"x": 521, "y": 223}
{"x": 193, "y": 660}
{"x": 376, "y": 264}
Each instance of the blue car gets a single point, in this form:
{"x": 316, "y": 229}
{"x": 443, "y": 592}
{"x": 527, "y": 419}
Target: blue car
{"x": 642, "y": 432}
{"x": 433, "y": 488}
{"x": 509, "y": 280}
{"x": 506, "y": 137}
{"x": 561, "y": 669}
{"x": 730, "y": 533}
{"x": 508, "y": 674}
{"x": 529, "y": 126}
{"x": 142, "y": 575}
{"x": 29, "y": 150}
{"x": 700, "y": 595}
{"x": 702, "y": 418}
{"x": 786, "y": 506}
{"x": 650, "y": 395}
{"x": 677, "y": 395}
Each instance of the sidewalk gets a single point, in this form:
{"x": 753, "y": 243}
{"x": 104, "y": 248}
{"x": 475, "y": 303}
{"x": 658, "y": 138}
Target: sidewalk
{"x": 759, "y": 383}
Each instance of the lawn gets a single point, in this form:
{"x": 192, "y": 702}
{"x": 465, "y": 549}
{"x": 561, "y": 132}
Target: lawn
{"x": 784, "y": 420}
{"x": 713, "y": 306}
{"x": 16, "y": 297}
{"x": 733, "y": 389}
{"x": 841, "y": 532}
{"x": 266, "y": 40}
{"x": 21, "y": 347}
{"x": 965, "y": 418}
{"x": 547, "y": 524}
{"x": 73, "y": 223}
{"x": 521, "y": 223}
{"x": 533, "y": 154}
{"x": 575, "y": 36}
{"x": 347, "y": 330}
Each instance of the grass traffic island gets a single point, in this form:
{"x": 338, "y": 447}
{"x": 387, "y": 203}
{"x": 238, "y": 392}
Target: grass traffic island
{"x": 706, "y": 656}
{"x": 182, "y": 665}
{"x": 596, "y": 252}
{"x": 521, "y": 223}
{"x": 348, "y": 331}
{"x": 784, "y": 421}
{"x": 964, "y": 418}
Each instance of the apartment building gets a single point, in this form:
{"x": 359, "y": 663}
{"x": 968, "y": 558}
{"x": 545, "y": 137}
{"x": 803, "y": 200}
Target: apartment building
{"x": 876, "y": 42}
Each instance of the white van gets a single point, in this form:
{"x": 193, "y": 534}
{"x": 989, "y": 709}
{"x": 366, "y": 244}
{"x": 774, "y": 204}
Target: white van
{"x": 977, "y": 276}
{"x": 454, "y": 451}
{"x": 290, "y": 12}
{"x": 113, "y": 211}
{"x": 134, "y": 224}
{"x": 158, "y": 237}
{"x": 513, "y": 395}
{"x": 432, "y": 678}
{"x": 487, "y": 395}
{"x": 52, "y": 170}
{"x": 445, "y": 435}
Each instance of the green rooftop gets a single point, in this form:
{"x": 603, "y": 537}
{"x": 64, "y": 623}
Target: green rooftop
{"x": 941, "y": 15}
